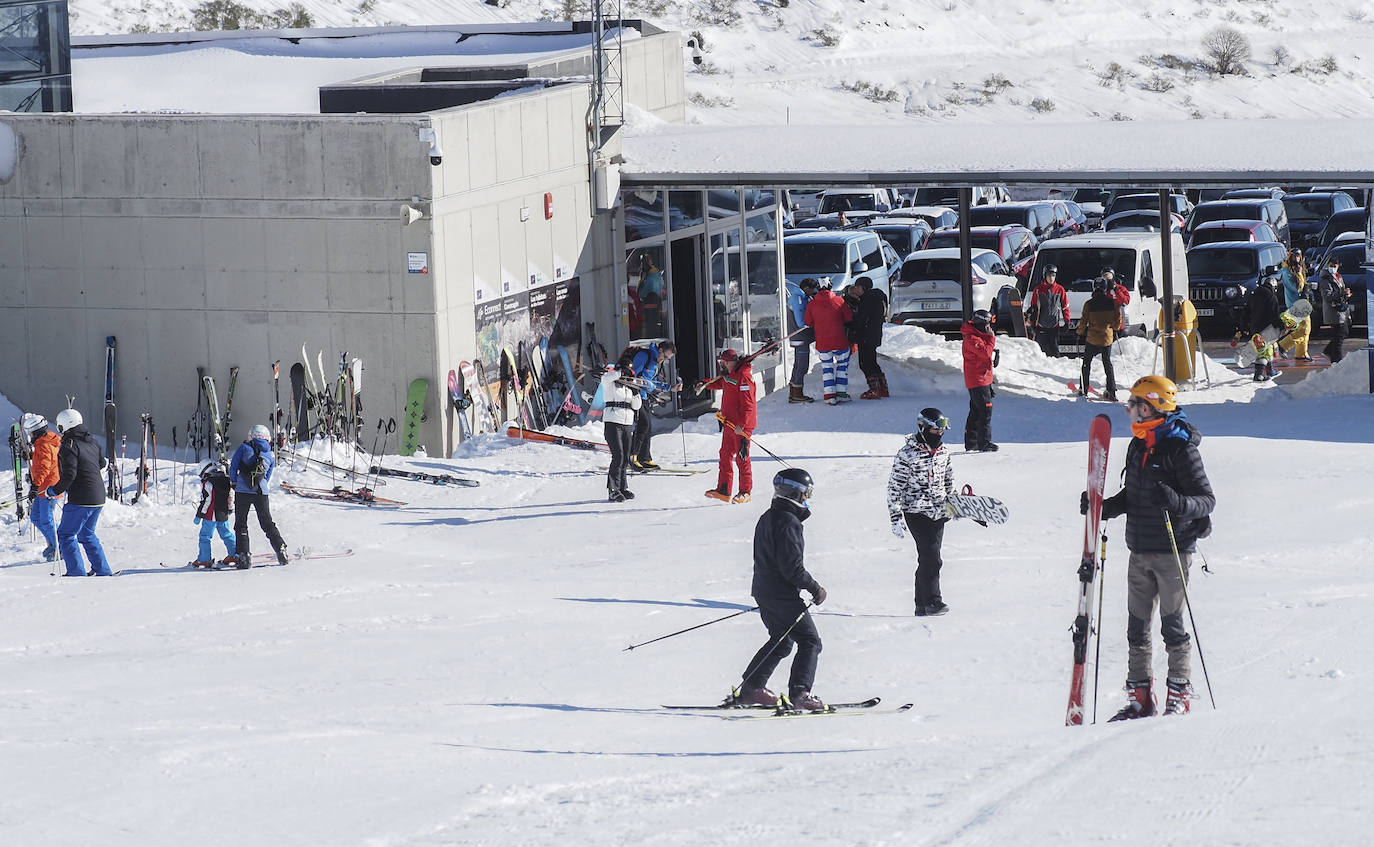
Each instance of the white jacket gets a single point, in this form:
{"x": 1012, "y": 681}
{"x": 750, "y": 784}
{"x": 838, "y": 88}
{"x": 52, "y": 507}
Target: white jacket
{"x": 921, "y": 480}
{"x": 621, "y": 402}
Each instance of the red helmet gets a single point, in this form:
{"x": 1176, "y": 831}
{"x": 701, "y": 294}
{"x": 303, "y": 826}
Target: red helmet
{"x": 729, "y": 354}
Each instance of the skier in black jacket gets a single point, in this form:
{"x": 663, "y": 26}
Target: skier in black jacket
{"x": 779, "y": 573}
{"x": 80, "y": 462}
{"x": 1163, "y": 472}
{"x": 867, "y": 328}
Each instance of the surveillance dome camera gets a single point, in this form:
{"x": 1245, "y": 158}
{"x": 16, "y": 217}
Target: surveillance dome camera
{"x": 697, "y": 56}
{"x": 436, "y": 155}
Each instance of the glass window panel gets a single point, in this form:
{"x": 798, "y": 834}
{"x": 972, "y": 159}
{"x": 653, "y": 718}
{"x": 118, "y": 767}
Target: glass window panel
{"x": 684, "y": 209}
{"x": 765, "y": 289}
{"x": 643, "y": 213}
{"x": 722, "y": 204}
{"x": 647, "y": 290}
{"x": 726, "y": 298}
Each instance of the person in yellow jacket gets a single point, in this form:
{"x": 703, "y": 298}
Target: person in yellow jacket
{"x": 1098, "y": 327}
{"x": 1294, "y": 277}
{"x": 43, "y": 473}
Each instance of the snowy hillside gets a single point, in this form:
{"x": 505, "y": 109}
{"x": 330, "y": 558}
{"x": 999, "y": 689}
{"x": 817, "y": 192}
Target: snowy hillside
{"x": 974, "y": 61}
{"x": 461, "y": 678}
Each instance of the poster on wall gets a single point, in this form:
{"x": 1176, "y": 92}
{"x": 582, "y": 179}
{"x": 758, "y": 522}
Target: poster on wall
{"x": 551, "y": 313}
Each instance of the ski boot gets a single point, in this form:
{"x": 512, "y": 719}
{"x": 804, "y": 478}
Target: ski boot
{"x": 872, "y": 393}
{"x": 203, "y": 563}
{"x": 742, "y": 497}
{"x": 1140, "y": 702}
{"x": 281, "y": 555}
{"x": 805, "y": 701}
{"x": 748, "y": 696}
{"x": 49, "y": 554}
{"x": 647, "y": 464}
{"x": 1180, "y": 693}
{"x": 615, "y": 497}
{"x": 719, "y": 494}
{"x": 628, "y": 495}
{"x": 229, "y": 561}
{"x": 937, "y": 608}
{"x": 635, "y": 465}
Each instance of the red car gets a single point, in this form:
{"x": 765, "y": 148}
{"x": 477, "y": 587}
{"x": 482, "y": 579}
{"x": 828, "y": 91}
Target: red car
{"x": 1013, "y": 243}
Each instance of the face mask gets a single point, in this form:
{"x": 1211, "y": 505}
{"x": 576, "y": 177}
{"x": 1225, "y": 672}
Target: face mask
{"x": 931, "y": 437}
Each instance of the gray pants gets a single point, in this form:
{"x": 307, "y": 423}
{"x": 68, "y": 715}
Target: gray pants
{"x": 1153, "y": 578}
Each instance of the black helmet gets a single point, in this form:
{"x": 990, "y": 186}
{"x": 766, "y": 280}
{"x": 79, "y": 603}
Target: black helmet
{"x": 981, "y": 319}
{"x": 1103, "y": 284}
{"x": 931, "y": 425}
{"x": 793, "y": 484}
{"x": 1049, "y": 269}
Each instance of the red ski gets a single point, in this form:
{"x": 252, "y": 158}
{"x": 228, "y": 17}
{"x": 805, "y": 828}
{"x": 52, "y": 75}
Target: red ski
{"x": 547, "y": 438}
{"x": 1099, "y": 440}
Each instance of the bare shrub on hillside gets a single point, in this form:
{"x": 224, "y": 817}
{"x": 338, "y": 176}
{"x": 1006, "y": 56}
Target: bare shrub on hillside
{"x": 1228, "y": 49}
{"x": 718, "y": 13}
{"x": 1157, "y": 83}
{"x": 1042, "y": 105}
{"x": 226, "y": 14}
{"x": 1282, "y": 57}
{"x": 1357, "y": 15}
{"x": 1121, "y": 116}
{"x": 649, "y": 8}
{"x": 1314, "y": 67}
{"x": 696, "y": 98}
{"x": 827, "y": 37}
{"x": 366, "y": 6}
{"x": 1116, "y": 74}
{"x": 872, "y": 91}
{"x": 996, "y": 84}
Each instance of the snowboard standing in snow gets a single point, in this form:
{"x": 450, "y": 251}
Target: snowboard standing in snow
{"x": 300, "y": 427}
{"x": 415, "y": 415}
{"x": 1099, "y": 441}
{"x": 461, "y": 402}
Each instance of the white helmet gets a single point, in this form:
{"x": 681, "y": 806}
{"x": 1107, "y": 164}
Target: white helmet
{"x": 32, "y": 421}
{"x": 260, "y": 431}
{"x": 68, "y": 418}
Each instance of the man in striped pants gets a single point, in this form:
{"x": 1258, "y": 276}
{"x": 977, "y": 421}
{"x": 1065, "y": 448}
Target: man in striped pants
{"x": 827, "y": 314}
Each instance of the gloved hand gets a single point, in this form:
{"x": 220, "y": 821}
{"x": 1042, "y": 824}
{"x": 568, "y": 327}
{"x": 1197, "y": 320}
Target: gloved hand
{"x": 1083, "y": 503}
{"x": 898, "y": 526}
{"x": 996, "y": 358}
{"x": 818, "y": 596}
{"x": 50, "y": 492}
{"x": 33, "y": 492}
{"x": 743, "y": 451}
{"x": 1165, "y": 496}
{"x": 196, "y": 520}
{"x": 699, "y": 386}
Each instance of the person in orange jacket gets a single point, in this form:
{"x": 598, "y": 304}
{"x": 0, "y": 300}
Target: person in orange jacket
{"x": 739, "y": 417}
{"x": 43, "y": 474}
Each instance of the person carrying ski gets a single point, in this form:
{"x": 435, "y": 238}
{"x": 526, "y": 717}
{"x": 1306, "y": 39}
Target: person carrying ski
{"x": 44, "y": 473}
{"x": 212, "y": 514}
{"x": 867, "y": 329}
{"x": 80, "y": 462}
{"x": 799, "y": 294}
{"x": 1294, "y": 277}
{"x": 918, "y": 489}
{"x": 739, "y": 408}
{"x": 980, "y": 356}
{"x": 1335, "y": 300}
{"x": 779, "y": 574}
{"x": 1098, "y": 327}
{"x": 1167, "y": 500}
{"x": 1048, "y": 311}
{"x": 622, "y": 402}
{"x": 828, "y": 314}
{"x": 250, "y": 469}
{"x": 646, "y": 362}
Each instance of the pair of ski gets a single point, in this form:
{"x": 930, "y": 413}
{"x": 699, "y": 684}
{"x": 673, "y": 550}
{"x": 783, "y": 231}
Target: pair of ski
{"x": 338, "y": 494}
{"x": 1089, "y": 572}
{"x": 734, "y": 711}
{"x": 19, "y": 450}
{"x": 270, "y": 559}
{"x": 219, "y": 427}
{"x": 420, "y": 476}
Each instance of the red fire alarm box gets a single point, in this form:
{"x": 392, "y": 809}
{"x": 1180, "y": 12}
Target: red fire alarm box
{"x": 548, "y": 206}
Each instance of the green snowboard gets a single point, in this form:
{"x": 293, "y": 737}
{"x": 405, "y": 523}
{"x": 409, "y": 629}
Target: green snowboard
{"x": 415, "y": 415}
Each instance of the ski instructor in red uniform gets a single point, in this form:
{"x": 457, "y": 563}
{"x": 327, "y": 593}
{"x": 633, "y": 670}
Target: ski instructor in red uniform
{"x": 739, "y": 409}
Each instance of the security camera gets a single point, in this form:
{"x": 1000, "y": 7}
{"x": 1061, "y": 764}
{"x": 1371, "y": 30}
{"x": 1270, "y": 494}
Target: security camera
{"x": 697, "y": 56}
{"x": 436, "y": 155}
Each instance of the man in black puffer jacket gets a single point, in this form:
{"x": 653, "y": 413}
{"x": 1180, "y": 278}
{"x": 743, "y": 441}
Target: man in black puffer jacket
{"x": 779, "y": 573}
{"x": 1164, "y": 472}
{"x": 80, "y": 462}
{"x": 867, "y": 328}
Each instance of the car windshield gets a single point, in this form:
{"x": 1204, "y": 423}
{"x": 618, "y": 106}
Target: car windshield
{"x": 935, "y": 197}
{"x": 997, "y": 215}
{"x": 1350, "y": 220}
{"x": 1079, "y": 266}
{"x": 922, "y": 269}
{"x": 812, "y": 258}
{"x": 1090, "y": 195}
{"x": 832, "y": 203}
{"x": 1138, "y": 219}
{"x": 1211, "y": 236}
{"x": 1223, "y": 263}
{"x": 1307, "y": 208}
{"x": 1223, "y": 211}
{"x": 1128, "y": 202}
{"x": 898, "y": 236}
{"x": 980, "y": 240}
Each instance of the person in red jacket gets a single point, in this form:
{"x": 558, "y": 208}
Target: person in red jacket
{"x": 739, "y": 416}
{"x": 980, "y": 356}
{"x": 828, "y": 314}
{"x": 1048, "y": 311}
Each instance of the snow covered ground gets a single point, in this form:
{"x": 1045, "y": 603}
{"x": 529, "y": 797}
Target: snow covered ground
{"x": 461, "y": 679}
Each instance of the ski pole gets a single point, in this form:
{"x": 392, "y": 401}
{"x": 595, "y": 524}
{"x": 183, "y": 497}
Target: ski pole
{"x": 690, "y": 628}
{"x": 1183, "y": 578}
{"x": 381, "y": 425}
{"x": 386, "y": 436}
{"x": 720, "y": 417}
{"x": 1097, "y": 634}
{"x": 773, "y": 645}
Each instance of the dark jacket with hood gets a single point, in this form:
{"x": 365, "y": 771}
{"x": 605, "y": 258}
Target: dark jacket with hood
{"x": 867, "y": 326}
{"x": 1264, "y": 308}
{"x": 779, "y": 555}
{"x": 81, "y": 462}
{"x": 1165, "y": 467}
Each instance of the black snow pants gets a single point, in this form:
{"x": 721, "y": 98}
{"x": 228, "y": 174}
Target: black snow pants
{"x": 929, "y": 535}
{"x": 778, "y": 617}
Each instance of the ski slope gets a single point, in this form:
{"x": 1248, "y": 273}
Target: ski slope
{"x": 462, "y": 678}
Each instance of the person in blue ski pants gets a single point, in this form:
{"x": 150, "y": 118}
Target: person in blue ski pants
{"x": 80, "y": 462}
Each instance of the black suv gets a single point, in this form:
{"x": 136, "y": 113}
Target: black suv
{"x": 1038, "y": 216}
{"x": 1309, "y": 212}
{"x": 1221, "y": 276}
{"x": 1270, "y": 211}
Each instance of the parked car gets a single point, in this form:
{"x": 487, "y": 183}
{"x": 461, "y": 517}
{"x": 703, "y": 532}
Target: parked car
{"x": 1222, "y": 275}
{"x": 928, "y": 292}
{"x": 1358, "y": 193}
{"x": 836, "y": 258}
{"x": 1198, "y": 196}
{"x": 1349, "y": 220}
{"x": 1079, "y": 217}
{"x": 855, "y": 201}
{"x": 1238, "y": 230}
{"x": 1178, "y": 204}
{"x": 1270, "y": 211}
{"x": 1357, "y": 277}
{"x": 1137, "y": 261}
{"x": 937, "y": 216}
{"x": 1274, "y": 193}
{"x": 1013, "y": 243}
{"x": 806, "y": 202}
{"x": 1140, "y": 220}
{"x": 1038, "y": 216}
{"x": 904, "y": 234}
{"x": 982, "y": 195}
{"x": 1309, "y": 212}
{"x": 1093, "y": 202}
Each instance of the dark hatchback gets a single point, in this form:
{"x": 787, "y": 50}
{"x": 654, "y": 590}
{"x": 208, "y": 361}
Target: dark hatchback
{"x": 1221, "y": 277}
{"x": 1270, "y": 211}
{"x": 1308, "y": 213}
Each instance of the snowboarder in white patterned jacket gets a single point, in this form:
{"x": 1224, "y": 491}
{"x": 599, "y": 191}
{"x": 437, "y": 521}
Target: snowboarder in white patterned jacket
{"x": 917, "y": 491}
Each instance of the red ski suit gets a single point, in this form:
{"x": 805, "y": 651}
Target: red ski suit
{"x": 740, "y": 409}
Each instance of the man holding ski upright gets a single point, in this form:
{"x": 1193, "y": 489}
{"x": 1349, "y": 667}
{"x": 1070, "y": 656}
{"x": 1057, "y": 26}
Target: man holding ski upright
{"x": 779, "y": 574}
{"x": 1167, "y": 500}
{"x": 739, "y": 413}
{"x": 646, "y": 363}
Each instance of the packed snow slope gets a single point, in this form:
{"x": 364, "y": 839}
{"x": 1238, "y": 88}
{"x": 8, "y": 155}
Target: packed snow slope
{"x": 968, "y": 61}
{"x": 462, "y": 678}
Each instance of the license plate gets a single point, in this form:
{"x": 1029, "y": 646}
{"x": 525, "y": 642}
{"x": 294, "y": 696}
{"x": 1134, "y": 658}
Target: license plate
{"x": 1071, "y": 348}
{"x": 936, "y": 305}
{"x": 1206, "y": 313}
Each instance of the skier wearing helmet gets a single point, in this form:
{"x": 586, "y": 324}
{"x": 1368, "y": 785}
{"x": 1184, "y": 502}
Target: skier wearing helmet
{"x": 213, "y": 512}
{"x": 43, "y": 474}
{"x": 980, "y": 356}
{"x": 739, "y": 417}
{"x": 1098, "y": 326}
{"x": 250, "y": 469}
{"x": 917, "y": 491}
{"x": 80, "y": 462}
{"x": 779, "y": 573}
{"x": 1164, "y": 477}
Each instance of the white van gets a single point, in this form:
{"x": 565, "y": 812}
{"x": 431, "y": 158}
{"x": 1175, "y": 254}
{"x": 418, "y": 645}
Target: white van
{"x": 836, "y": 258}
{"x": 1137, "y": 261}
